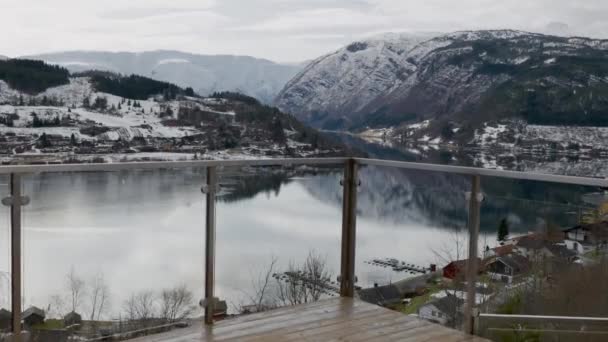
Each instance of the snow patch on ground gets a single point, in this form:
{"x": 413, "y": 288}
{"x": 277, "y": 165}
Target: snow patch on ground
{"x": 489, "y": 134}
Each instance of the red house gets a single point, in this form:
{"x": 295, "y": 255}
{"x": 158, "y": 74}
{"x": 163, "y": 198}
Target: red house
{"x": 458, "y": 268}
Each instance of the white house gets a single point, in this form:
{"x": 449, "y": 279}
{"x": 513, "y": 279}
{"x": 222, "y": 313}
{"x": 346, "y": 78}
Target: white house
{"x": 587, "y": 237}
{"x": 446, "y": 311}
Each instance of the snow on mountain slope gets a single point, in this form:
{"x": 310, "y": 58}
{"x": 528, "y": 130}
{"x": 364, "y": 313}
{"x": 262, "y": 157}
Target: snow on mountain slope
{"x": 347, "y": 80}
{"x": 456, "y": 76}
{"x": 126, "y": 122}
{"x": 206, "y": 74}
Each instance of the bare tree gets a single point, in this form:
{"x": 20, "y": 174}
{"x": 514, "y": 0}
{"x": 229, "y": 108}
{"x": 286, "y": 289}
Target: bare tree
{"x": 76, "y": 287}
{"x": 98, "y": 296}
{"x": 299, "y": 284}
{"x": 306, "y": 283}
{"x": 140, "y": 306}
{"x": 261, "y": 297}
{"x": 176, "y": 303}
{"x": 56, "y": 307}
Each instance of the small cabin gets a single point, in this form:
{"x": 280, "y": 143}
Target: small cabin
{"x": 5, "y": 319}
{"x": 72, "y": 318}
{"x": 33, "y": 316}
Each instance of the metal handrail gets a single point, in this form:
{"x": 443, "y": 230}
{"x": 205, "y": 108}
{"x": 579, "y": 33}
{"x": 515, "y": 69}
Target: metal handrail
{"x": 475, "y": 171}
{"x": 91, "y": 167}
{"x": 541, "y": 317}
{"x": 462, "y": 170}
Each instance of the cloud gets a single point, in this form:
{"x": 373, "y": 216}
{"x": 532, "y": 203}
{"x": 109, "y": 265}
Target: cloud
{"x": 330, "y": 19}
{"x": 275, "y": 29}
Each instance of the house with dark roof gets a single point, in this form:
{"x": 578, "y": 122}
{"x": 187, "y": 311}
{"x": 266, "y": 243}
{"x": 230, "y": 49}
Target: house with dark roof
{"x": 381, "y": 295}
{"x": 537, "y": 247}
{"x": 72, "y": 318}
{"x": 507, "y": 268}
{"x": 587, "y": 237}
{"x": 33, "y": 316}
{"x": 5, "y": 319}
{"x": 446, "y": 310}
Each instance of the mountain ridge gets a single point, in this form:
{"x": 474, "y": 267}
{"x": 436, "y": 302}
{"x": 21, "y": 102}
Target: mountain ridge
{"x": 454, "y": 76}
{"x": 257, "y": 77}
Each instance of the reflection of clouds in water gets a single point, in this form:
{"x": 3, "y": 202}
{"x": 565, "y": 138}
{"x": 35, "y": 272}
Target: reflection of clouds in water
{"x": 148, "y": 233}
{"x": 5, "y": 289}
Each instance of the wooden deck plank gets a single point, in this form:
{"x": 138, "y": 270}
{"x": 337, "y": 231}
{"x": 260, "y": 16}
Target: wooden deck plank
{"x": 293, "y": 320}
{"x": 322, "y": 321}
{"x": 336, "y": 319}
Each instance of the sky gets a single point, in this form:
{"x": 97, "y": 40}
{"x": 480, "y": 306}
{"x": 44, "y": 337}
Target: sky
{"x": 280, "y": 30}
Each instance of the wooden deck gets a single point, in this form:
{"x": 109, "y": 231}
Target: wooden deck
{"x": 337, "y": 319}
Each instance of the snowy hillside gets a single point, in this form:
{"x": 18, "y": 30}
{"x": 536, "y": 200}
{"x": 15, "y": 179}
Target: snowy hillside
{"x": 75, "y": 122}
{"x": 466, "y": 77}
{"x": 255, "y": 77}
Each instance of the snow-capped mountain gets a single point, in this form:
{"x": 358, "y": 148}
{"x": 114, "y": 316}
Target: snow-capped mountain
{"x": 206, "y": 74}
{"x": 468, "y": 77}
{"x": 335, "y": 87}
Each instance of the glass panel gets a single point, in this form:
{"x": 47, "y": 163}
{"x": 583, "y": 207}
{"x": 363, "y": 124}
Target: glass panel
{"x": 5, "y": 258}
{"x": 275, "y": 225}
{"x": 412, "y": 242}
{"x": 108, "y": 252}
{"x": 546, "y": 257}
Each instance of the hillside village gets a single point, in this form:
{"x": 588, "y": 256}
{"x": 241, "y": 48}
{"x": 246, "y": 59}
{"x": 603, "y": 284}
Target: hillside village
{"x": 102, "y": 117}
{"x": 542, "y": 267}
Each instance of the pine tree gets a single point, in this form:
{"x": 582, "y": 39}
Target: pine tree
{"x": 73, "y": 141}
{"x": 44, "y": 141}
{"x": 503, "y": 230}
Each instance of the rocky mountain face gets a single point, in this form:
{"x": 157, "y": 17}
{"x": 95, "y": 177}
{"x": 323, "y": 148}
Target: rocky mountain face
{"x": 458, "y": 82}
{"x": 50, "y": 115}
{"x": 334, "y": 90}
{"x": 206, "y": 74}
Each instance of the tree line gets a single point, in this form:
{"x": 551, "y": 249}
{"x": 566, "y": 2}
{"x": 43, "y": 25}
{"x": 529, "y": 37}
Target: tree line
{"x": 31, "y": 76}
{"x": 135, "y": 86}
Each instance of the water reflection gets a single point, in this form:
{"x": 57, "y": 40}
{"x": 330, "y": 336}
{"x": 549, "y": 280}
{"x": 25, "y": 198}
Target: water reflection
{"x": 145, "y": 229}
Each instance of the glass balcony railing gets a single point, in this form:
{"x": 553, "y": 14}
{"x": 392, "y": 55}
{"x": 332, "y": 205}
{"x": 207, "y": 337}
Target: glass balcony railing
{"x": 128, "y": 249}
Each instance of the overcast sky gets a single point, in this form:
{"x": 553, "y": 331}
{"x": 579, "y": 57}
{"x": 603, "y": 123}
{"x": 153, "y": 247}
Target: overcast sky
{"x": 281, "y": 30}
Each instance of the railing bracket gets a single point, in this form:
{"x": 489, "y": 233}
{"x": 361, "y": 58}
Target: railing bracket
{"x": 205, "y": 302}
{"x": 480, "y": 197}
{"x": 9, "y": 201}
{"x": 205, "y": 189}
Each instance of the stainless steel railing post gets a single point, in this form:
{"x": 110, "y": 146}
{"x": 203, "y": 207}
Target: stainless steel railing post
{"x": 15, "y": 201}
{"x": 211, "y": 190}
{"x": 474, "y": 198}
{"x": 349, "y": 222}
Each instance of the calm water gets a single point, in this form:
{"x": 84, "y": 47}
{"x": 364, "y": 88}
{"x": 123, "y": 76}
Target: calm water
{"x": 144, "y": 230}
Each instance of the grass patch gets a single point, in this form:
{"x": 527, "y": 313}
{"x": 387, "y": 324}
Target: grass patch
{"x": 50, "y": 324}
